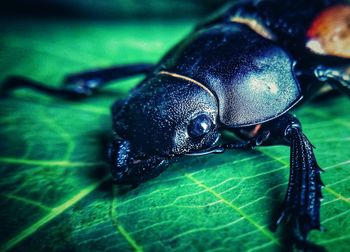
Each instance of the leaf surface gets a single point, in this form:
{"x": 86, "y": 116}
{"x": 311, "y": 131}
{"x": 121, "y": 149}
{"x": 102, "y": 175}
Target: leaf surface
{"x": 56, "y": 192}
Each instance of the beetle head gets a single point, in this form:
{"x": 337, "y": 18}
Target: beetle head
{"x": 162, "y": 118}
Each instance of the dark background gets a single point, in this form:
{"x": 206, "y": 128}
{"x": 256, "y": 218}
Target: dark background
{"x": 112, "y": 9}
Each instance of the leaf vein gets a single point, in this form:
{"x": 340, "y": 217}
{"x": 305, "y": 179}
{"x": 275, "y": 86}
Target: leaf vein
{"x": 327, "y": 189}
{"x": 28, "y": 201}
{"x": 120, "y": 228}
{"x": 262, "y": 229}
{"x": 51, "y": 215}
{"x": 65, "y": 163}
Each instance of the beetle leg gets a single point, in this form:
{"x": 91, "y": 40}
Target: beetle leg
{"x": 302, "y": 202}
{"x": 250, "y": 143}
{"x": 15, "y": 82}
{"x": 340, "y": 79}
{"x": 240, "y": 145}
{"x": 88, "y": 81}
{"x": 301, "y": 207}
{"x": 78, "y": 85}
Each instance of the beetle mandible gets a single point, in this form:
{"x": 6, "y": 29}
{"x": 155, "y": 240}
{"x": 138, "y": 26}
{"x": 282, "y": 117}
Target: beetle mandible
{"x": 241, "y": 70}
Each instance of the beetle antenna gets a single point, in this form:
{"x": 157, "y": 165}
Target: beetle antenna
{"x": 216, "y": 150}
{"x": 240, "y": 145}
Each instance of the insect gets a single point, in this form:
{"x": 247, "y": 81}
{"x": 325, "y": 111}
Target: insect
{"x": 241, "y": 70}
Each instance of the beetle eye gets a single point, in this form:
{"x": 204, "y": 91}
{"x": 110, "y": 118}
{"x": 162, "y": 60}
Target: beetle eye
{"x": 199, "y": 126}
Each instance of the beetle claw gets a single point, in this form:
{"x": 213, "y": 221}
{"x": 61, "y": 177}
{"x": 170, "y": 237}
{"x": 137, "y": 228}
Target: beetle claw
{"x": 259, "y": 139}
{"x": 301, "y": 207}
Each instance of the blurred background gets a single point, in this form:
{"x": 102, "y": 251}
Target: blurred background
{"x": 90, "y": 33}
{"x": 108, "y": 9}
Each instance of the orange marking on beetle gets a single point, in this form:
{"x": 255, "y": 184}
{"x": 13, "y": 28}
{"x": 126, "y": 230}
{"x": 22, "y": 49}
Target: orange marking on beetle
{"x": 251, "y": 132}
{"x": 255, "y": 131}
{"x": 188, "y": 79}
{"x": 329, "y": 33}
{"x": 254, "y": 25}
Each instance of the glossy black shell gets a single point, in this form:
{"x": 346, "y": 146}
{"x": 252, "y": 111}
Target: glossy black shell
{"x": 251, "y": 77}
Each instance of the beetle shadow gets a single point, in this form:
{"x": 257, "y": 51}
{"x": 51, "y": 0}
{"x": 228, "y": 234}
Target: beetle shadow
{"x": 285, "y": 230}
{"x": 289, "y": 243}
{"x": 100, "y": 172}
{"x": 326, "y": 96}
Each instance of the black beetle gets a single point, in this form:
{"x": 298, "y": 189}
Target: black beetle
{"x": 241, "y": 70}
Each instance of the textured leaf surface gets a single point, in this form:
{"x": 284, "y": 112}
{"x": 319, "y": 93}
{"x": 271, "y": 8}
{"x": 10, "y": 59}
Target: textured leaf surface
{"x": 55, "y": 188}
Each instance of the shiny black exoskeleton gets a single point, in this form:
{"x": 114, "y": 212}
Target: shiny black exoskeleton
{"x": 241, "y": 70}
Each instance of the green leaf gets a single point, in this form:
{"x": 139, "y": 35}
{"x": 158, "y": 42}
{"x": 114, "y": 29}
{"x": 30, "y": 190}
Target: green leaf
{"x": 56, "y": 192}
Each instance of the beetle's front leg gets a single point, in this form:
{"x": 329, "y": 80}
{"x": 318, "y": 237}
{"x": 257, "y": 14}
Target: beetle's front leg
{"x": 338, "y": 75}
{"x": 339, "y": 78}
{"x": 78, "y": 85}
{"x": 88, "y": 82}
{"x": 250, "y": 144}
{"x": 301, "y": 207}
